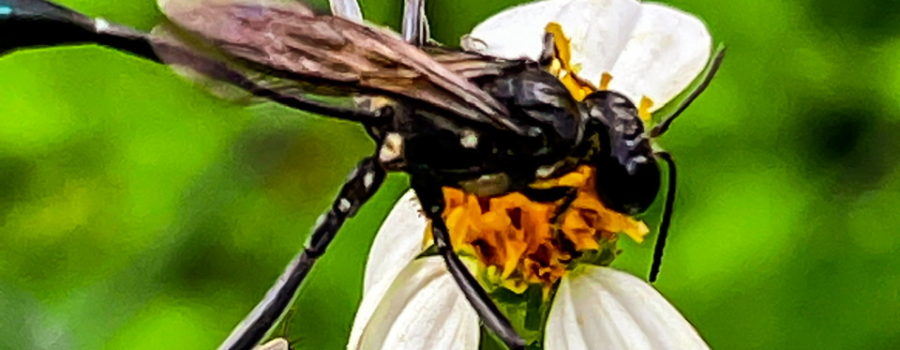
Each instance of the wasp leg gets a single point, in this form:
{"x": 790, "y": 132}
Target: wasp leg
{"x": 548, "y": 195}
{"x": 48, "y": 24}
{"x": 348, "y": 9}
{"x": 359, "y": 187}
{"x": 415, "y": 24}
{"x": 432, "y": 200}
{"x": 40, "y": 23}
{"x": 711, "y": 70}
{"x": 667, "y": 215}
{"x": 552, "y": 195}
{"x": 562, "y": 207}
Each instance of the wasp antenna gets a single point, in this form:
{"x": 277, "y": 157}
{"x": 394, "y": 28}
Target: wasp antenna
{"x": 667, "y": 215}
{"x": 415, "y": 23}
{"x": 711, "y": 70}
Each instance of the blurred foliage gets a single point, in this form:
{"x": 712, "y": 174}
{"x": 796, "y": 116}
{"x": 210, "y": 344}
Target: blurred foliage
{"x": 137, "y": 211}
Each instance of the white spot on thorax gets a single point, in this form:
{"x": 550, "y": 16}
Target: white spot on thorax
{"x": 634, "y": 142}
{"x": 639, "y": 159}
{"x": 392, "y": 147}
{"x": 635, "y": 162}
{"x": 469, "y": 138}
{"x": 545, "y": 171}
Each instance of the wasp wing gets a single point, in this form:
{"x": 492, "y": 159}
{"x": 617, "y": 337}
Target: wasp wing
{"x": 473, "y": 66}
{"x": 333, "y": 55}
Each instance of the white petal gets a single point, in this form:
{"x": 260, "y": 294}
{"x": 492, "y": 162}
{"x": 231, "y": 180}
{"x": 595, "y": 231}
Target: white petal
{"x": 667, "y": 50}
{"x": 348, "y": 9}
{"x": 650, "y": 49}
{"x": 514, "y": 33}
{"x": 398, "y": 241}
{"x": 602, "y": 308}
{"x": 422, "y": 309}
{"x": 598, "y": 30}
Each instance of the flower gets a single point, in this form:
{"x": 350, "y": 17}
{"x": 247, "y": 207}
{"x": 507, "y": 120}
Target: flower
{"x": 648, "y": 52}
{"x": 414, "y": 303}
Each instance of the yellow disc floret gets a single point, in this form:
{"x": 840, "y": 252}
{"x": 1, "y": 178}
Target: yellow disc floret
{"x": 644, "y": 108}
{"x": 521, "y": 242}
{"x": 562, "y": 66}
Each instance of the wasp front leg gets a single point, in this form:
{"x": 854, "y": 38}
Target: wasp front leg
{"x": 362, "y": 183}
{"x": 48, "y": 24}
{"x": 562, "y": 196}
{"x": 432, "y": 199}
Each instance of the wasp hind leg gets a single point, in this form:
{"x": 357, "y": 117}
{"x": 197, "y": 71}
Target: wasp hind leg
{"x": 362, "y": 183}
{"x": 432, "y": 200}
{"x": 667, "y": 215}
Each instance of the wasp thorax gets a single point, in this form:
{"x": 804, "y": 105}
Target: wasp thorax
{"x": 519, "y": 242}
{"x": 391, "y": 149}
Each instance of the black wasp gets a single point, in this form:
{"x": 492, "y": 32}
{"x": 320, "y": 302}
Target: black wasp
{"x": 448, "y": 118}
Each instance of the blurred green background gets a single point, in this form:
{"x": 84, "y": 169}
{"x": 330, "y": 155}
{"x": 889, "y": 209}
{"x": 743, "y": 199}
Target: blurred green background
{"x": 137, "y": 211}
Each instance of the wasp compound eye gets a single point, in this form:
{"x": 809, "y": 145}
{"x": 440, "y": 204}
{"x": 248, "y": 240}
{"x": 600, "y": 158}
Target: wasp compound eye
{"x": 628, "y": 176}
{"x": 628, "y": 188}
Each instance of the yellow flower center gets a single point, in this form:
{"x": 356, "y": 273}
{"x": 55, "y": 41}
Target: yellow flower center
{"x": 521, "y": 242}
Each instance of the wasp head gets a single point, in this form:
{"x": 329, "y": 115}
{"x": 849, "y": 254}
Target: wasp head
{"x": 628, "y": 176}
